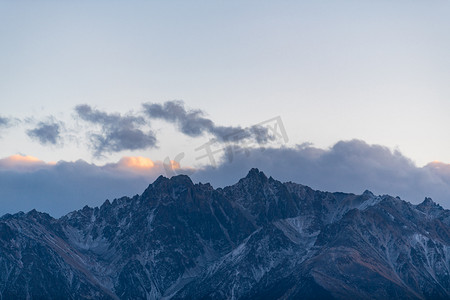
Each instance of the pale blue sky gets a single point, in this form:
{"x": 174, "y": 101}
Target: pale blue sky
{"x": 378, "y": 71}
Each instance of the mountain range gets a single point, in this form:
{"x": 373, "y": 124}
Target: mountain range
{"x": 257, "y": 239}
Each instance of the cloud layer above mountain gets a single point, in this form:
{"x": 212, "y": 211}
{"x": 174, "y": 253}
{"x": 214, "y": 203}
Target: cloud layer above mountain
{"x": 57, "y": 188}
{"x": 349, "y": 166}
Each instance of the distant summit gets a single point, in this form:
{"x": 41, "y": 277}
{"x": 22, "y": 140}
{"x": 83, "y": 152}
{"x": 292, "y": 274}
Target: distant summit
{"x": 368, "y": 193}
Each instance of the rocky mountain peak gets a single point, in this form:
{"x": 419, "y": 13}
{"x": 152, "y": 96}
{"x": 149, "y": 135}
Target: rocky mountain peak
{"x": 255, "y": 173}
{"x": 255, "y": 176}
{"x": 164, "y": 182}
{"x": 163, "y": 185}
{"x": 428, "y": 205}
{"x": 160, "y": 180}
{"x": 181, "y": 180}
{"x": 368, "y": 193}
{"x": 428, "y": 202}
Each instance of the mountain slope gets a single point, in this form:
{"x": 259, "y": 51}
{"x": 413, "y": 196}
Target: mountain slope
{"x": 259, "y": 238}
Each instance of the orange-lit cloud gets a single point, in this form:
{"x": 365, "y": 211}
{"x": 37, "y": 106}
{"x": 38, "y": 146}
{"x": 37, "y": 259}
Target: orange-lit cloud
{"x": 136, "y": 162}
{"x": 141, "y": 165}
{"x": 175, "y": 165}
{"x": 439, "y": 163}
{"x": 24, "y": 158}
{"x": 438, "y": 167}
{"x": 131, "y": 165}
{"x": 22, "y": 163}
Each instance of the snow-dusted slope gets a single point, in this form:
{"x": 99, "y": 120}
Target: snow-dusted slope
{"x": 259, "y": 238}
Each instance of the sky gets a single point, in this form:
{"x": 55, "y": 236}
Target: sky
{"x": 98, "y": 98}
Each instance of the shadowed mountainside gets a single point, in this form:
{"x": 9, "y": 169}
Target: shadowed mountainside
{"x": 258, "y": 238}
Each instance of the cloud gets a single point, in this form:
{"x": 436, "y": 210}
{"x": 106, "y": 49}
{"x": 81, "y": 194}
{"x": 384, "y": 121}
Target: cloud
{"x": 348, "y": 166}
{"x": 117, "y": 132}
{"x": 47, "y": 133}
{"x": 194, "y": 123}
{"x": 137, "y": 162}
{"x": 57, "y": 188}
{"x": 4, "y": 122}
{"x": 21, "y": 163}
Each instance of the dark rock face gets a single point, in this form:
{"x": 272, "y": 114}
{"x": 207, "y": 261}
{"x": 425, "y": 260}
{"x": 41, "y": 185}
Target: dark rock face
{"x": 257, "y": 239}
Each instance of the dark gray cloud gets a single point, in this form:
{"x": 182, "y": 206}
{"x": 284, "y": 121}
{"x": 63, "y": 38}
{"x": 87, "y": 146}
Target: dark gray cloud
{"x": 4, "y": 122}
{"x": 117, "y": 132}
{"x": 194, "y": 123}
{"x": 348, "y": 166}
{"x": 47, "y": 133}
